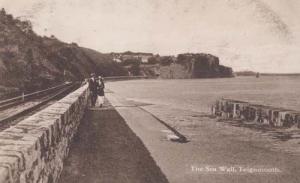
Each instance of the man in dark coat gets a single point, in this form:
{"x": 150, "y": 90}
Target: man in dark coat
{"x": 93, "y": 87}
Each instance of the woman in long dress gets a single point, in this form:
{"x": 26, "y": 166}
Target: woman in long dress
{"x": 100, "y": 89}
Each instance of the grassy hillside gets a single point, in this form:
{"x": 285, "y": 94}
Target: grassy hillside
{"x": 105, "y": 66}
{"x": 29, "y": 61}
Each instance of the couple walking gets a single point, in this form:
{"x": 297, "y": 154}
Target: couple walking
{"x": 96, "y": 86}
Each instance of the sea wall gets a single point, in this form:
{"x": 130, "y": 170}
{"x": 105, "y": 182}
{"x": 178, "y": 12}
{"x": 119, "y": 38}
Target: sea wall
{"x": 268, "y": 115}
{"x": 33, "y": 150}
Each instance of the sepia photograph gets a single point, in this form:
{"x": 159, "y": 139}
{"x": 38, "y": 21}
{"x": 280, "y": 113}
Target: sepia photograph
{"x": 149, "y": 91}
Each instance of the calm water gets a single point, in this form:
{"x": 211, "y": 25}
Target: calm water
{"x": 200, "y": 94}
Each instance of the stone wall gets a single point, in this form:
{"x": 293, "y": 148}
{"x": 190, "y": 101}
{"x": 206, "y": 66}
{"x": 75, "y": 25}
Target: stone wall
{"x": 34, "y": 149}
{"x": 268, "y": 115}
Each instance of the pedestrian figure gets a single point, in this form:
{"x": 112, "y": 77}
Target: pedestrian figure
{"x": 100, "y": 91}
{"x": 93, "y": 87}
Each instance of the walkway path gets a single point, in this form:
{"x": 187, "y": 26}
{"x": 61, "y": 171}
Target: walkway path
{"x": 107, "y": 151}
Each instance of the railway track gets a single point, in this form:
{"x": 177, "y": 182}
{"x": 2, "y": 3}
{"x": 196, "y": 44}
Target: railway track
{"x": 12, "y": 110}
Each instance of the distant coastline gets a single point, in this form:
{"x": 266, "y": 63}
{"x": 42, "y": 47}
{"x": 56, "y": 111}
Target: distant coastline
{"x": 252, "y": 73}
{"x": 280, "y": 74}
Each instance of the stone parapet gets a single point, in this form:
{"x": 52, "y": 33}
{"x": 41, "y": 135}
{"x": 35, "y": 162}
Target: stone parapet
{"x": 33, "y": 150}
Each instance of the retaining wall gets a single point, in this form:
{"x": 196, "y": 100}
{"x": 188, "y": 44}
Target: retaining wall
{"x": 277, "y": 117}
{"x": 34, "y": 149}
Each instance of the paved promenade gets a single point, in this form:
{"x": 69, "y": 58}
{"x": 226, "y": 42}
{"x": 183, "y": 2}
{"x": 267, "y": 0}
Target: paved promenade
{"x": 105, "y": 150}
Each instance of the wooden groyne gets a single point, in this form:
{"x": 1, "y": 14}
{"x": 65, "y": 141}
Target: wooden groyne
{"x": 241, "y": 110}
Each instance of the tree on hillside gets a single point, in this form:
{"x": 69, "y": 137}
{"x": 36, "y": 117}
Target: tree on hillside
{"x": 2, "y": 11}
{"x": 153, "y": 60}
{"x": 135, "y": 69}
{"x": 131, "y": 61}
{"x": 110, "y": 68}
{"x": 166, "y": 60}
{"x": 32, "y": 69}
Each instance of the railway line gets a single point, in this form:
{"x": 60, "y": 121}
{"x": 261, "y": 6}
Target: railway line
{"x": 15, "y": 109}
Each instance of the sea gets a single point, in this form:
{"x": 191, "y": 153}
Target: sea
{"x": 200, "y": 94}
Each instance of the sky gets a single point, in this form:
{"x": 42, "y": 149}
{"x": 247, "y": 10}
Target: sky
{"x": 259, "y": 35}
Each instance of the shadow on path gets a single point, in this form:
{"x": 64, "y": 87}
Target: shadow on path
{"x": 106, "y": 150}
